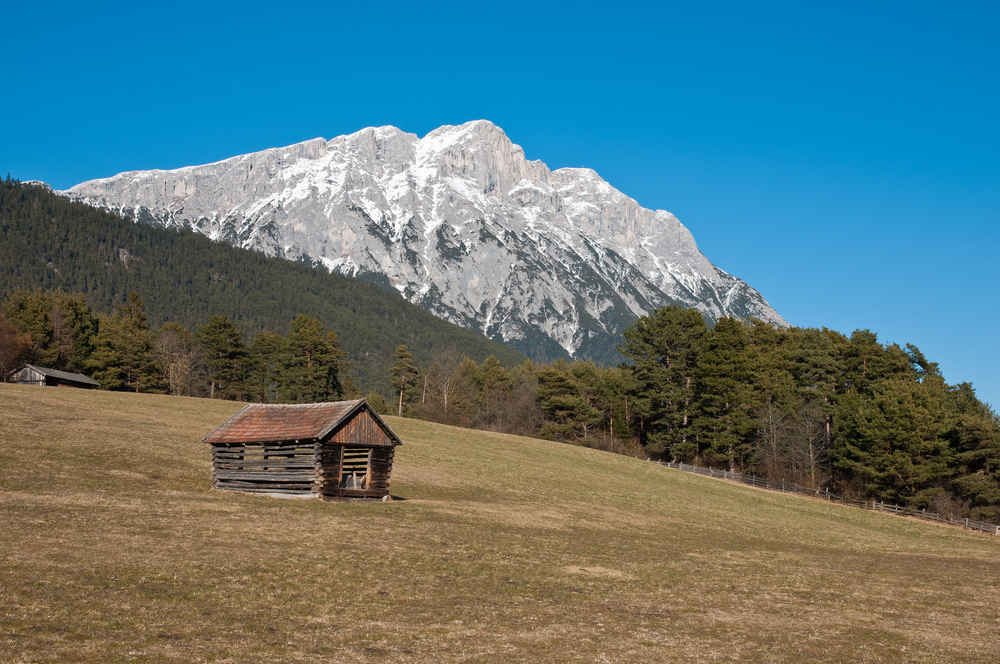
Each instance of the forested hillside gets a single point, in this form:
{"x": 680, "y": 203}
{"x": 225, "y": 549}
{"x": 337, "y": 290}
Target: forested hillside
{"x": 869, "y": 419}
{"x": 48, "y": 242}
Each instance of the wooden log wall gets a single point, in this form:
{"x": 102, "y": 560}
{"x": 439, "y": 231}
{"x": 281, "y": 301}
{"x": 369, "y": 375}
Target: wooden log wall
{"x": 380, "y": 468}
{"x": 285, "y": 467}
{"x": 331, "y": 460}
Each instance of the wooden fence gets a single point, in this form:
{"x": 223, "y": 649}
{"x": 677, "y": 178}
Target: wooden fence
{"x": 792, "y": 487}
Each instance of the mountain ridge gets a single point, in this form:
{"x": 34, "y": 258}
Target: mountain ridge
{"x": 460, "y": 222}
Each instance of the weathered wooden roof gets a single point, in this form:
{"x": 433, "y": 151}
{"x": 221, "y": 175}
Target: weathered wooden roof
{"x": 258, "y": 422}
{"x": 55, "y": 373}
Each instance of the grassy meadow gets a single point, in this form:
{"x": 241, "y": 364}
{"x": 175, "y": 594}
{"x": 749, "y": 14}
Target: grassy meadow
{"x": 114, "y": 548}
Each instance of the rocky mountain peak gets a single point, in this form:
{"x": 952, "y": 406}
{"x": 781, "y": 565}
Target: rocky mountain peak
{"x": 459, "y": 222}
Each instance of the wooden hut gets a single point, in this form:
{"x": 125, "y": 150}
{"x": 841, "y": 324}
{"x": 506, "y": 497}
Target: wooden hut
{"x": 336, "y": 450}
{"x": 29, "y": 374}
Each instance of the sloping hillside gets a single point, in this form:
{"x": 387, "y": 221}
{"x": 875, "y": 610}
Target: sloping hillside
{"x": 47, "y": 241}
{"x": 505, "y": 549}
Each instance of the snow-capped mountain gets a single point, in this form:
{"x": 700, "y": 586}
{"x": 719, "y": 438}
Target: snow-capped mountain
{"x": 459, "y": 222}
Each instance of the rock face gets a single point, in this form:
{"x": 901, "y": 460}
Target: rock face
{"x": 460, "y": 223}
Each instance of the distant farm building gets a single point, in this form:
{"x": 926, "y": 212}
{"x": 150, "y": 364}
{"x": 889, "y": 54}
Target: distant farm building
{"x": 29, "y": 374}
{"x": 336, "y": 450}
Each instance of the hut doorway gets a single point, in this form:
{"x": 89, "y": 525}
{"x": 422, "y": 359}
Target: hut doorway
{"x": 355, "y": 469}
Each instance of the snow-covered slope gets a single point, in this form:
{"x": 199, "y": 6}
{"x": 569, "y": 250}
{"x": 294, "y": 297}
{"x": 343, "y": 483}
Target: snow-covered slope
{"x": 459, "y": 222}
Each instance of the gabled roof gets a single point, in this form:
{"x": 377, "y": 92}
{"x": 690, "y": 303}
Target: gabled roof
{"x": 259, "y": 422}
{"x": 61, "y": 375}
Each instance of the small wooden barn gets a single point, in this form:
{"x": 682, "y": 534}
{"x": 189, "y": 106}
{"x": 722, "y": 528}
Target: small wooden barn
{"x": 29, "y": 374}
{"x": 341, "y": 449}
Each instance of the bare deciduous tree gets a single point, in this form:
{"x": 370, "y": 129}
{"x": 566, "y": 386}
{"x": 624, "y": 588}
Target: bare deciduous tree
{"x": 181, "y": 361}
{"x": 14, "y": 347}
{"x": 772, "y": 442}
{"x": 808, "y": 449}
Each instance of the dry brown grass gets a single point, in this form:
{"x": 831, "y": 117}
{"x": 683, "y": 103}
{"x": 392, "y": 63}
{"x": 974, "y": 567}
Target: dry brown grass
{"x": 115, "y": 549}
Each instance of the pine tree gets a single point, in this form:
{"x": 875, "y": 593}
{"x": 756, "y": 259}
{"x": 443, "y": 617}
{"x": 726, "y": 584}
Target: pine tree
{"x": 771, "y": 359}
{"x": 404, "y": 376}
{"x": 123, "y": 355}
{"x": 135, "y": 347}
{"x": 867, "y": 362}
{"x": 309, "y": 364}
{"x": 724, "y": 422}
{"x": 922, "y": 367}
{"x": 264, "y": 354}
{"x": 520, "y": 413}
{"x": 614, "y": 388}
{"x": 893, "y": 439}
{"x": 493, "y": 381}
{"x": 341, "y": 383}
{"x": 104, "y": 363}
{"x": 664, "y": 347}
{"x": 378, "y": 403}
{"x": 73, "y": 327}
{"x": 568, "y": 399}
{"x": 227, "y": 358}
{"x": 820, "y": 372}
{"x": 975, "y": 436}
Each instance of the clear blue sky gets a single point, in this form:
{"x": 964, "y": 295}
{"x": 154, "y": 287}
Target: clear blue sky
{"x": 842, "y": 158}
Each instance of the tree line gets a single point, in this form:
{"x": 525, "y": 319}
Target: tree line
{"x": 58, "y": 330}
{"x": 814, "y": 406}
{"x": 865, "y": 419}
